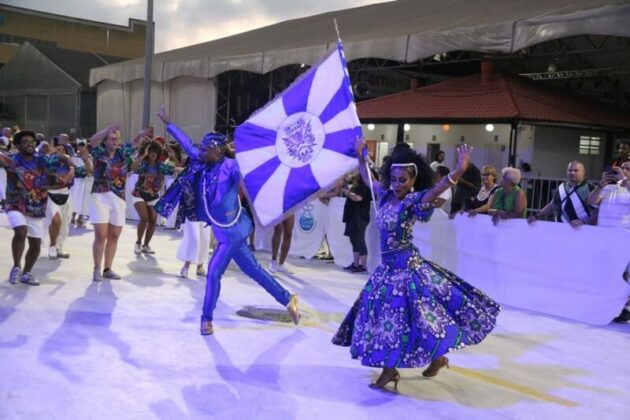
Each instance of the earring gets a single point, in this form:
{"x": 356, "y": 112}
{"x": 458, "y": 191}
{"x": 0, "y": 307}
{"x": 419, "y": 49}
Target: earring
{"x": 391, "y": 187}
{"x": 412, "y": 188}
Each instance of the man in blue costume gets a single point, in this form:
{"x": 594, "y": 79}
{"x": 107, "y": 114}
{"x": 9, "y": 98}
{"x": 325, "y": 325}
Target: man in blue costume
{"x": 207, "y": 191}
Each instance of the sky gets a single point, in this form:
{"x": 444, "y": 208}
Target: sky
{"x": 179, "y": 23}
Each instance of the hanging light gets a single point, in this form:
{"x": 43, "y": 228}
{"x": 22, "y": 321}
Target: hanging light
{"x": 446, "y": 128}
{"x": 371, "y": 127}
{"x": 489, "y": 128}
{"x": 406, "y": 127}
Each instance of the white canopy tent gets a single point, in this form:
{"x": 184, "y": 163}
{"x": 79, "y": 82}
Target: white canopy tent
{"x": 404, "y": 31}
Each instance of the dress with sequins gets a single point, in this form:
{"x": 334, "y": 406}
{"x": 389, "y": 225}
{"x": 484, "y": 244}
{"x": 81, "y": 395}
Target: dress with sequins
{"x": 412, "y": 311}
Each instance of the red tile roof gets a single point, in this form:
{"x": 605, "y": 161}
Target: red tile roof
{"x": 502, "y": 98}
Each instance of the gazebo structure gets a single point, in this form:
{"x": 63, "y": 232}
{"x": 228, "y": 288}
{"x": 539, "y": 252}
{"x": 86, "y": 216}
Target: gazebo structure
{"x": 492, "y": 98}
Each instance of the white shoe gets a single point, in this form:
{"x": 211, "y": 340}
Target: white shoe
{"x": 96, "y": 275}
{"x": 137, "y": 249}
{"x": 52, "y": 253}
{"x": 146, "y": 249}
{"x": 273, "y": 266}
{"x": 201, "y": 272}
{"x": 283, "y": 269}
{"x": 16, "y": 274}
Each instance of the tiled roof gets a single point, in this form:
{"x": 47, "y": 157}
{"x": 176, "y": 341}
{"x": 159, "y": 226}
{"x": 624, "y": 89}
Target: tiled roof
{"x": 502, "y": 98}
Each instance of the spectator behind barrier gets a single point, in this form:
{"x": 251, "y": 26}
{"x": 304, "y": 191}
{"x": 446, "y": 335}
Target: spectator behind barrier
{"x": 466, "y": 188}
{"x": 570, "y": 200}
{"x": 623, "y": 155}
{"x": 509, "y": 200}
{"x": 612, "y": 196}
{"x": 443, "y": 201}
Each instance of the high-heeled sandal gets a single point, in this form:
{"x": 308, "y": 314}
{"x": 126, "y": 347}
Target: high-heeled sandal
{"x": 386, "y": 378}
{"x": 435, "y": 367}
{"x": 292, "y": 308}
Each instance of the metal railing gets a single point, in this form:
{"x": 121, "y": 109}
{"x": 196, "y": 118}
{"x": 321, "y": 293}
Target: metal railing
{"x": 540, "y": 191}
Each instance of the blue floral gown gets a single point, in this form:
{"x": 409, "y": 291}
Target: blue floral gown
{"x": 412, "y": 311}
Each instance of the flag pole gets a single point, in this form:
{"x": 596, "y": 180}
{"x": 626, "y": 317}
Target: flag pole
{"x": 366, "y": 157}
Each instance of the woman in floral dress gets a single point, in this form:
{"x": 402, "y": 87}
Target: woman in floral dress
{"x": 412, "y": 312}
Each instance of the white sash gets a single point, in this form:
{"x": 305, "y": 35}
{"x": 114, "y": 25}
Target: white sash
{"x": 575, "y": 200}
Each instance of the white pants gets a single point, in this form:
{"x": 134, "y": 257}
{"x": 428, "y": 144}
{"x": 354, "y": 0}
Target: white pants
{"x": 77, "y": 193}
{"x": 65, "y": 213}
{"x": 195, "y": 243}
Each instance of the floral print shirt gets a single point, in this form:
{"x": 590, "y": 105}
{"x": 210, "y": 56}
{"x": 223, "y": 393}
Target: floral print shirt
{"x": 110, "y": 174}
{"x": 28, "y": 182}
{"x": 151, "y": 180}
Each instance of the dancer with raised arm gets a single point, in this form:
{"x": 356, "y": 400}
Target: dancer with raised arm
{"x": 151, "y": 177}
{"x": 412, "y": 312}
{"x": 208, "y": 190}
{"x": 108, "y": 205}
{"x": 28, "y": 178}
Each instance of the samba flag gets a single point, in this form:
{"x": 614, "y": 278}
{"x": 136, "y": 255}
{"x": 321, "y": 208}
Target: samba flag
{"x": 301, "y": 142}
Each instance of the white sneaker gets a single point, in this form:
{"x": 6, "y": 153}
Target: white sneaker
{"x": 146, "y": 249}
{"x": 273, "y": 266}
{"x": 282, "y": 269}
{"x": 96, "y": 275}
{"x": 137, "y": 249}
{"x": 52, "y": 253}
{"x": 28, "y": 278}
{"x": 14, "y": 276}
{"x": 201, "y": 272}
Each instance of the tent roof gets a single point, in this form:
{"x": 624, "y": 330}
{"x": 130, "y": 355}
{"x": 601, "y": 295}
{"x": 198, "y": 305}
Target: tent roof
{"x": 502, "y": 98}
{"x": 403, "y": 30}
{"x": 77, "y": 64}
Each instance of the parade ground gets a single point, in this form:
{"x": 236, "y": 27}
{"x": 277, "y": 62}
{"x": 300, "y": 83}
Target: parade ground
{"x": 72, "y": 348}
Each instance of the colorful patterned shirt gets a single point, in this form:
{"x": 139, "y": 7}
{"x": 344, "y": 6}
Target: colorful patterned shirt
{"x": 28, "y": 182}
{"x": 110, "y": 174}
{"x": 151, "y": 180}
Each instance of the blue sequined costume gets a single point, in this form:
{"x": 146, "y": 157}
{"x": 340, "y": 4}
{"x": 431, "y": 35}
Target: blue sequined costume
{"x": 412, "y": 311}
{"x": 207, "y": 191}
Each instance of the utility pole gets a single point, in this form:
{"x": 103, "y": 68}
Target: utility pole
{"x": 148, "y": 61}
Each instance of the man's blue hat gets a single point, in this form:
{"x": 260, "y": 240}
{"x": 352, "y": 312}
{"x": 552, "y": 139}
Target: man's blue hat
{"x": 214, "y": 140}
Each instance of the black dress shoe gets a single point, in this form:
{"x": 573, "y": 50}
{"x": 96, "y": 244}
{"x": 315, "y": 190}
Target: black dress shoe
{"x": 624, "y": 316}
{"x": 358, "y": 269}
{"x": 350, "y": 267}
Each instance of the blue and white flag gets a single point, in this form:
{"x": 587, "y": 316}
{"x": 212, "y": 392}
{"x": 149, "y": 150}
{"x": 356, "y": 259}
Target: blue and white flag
{"x": 301, "y": 142}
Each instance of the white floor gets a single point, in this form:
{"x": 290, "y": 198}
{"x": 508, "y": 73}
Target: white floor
{"x": 130, "y": 349}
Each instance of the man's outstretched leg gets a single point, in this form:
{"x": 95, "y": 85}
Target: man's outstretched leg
{"x": 246, "y": 261}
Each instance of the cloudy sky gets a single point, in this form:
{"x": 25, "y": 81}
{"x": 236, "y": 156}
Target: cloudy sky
{"x": 185, "y": 22}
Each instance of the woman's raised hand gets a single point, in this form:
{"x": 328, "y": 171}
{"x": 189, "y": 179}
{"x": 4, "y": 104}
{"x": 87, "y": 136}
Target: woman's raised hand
{"x": 360, "y": 145}
{"x": 464, "y": 154}
{"x": 163, "y": 115}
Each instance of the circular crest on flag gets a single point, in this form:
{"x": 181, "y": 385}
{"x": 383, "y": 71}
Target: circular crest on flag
{"x": 300, "y": 138}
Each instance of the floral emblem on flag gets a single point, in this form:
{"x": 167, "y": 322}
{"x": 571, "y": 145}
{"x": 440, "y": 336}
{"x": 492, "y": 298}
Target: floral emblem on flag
{"x": 301, "y": 142}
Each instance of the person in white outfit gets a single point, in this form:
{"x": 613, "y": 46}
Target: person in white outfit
{"x": 80, "y": 191}
{"x": 59, "y": 211}
{"x": 193, "y": 247}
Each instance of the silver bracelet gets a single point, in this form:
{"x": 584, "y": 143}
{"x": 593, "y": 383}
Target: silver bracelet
{"x": 450, "y": 179}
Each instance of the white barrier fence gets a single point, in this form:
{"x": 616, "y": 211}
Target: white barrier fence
{"x": 546, "y": 267}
